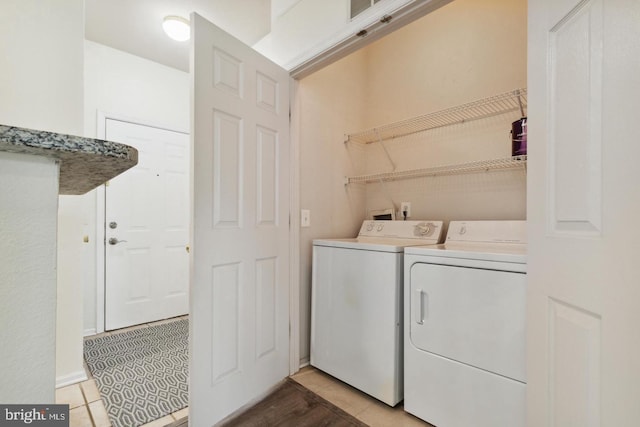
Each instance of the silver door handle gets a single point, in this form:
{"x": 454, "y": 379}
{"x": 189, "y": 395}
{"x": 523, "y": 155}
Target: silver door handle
{"x": 420, "y": 306}
{"x": 115, "y": 241}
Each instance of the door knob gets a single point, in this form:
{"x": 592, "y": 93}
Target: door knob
{"x": 113, "y": 225}
{"x": 115, "y": 241}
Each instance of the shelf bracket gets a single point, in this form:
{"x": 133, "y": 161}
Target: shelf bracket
{"x": 384, "y": 148}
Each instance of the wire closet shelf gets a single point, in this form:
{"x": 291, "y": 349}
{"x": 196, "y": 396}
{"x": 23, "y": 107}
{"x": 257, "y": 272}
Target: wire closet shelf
{"x": 508, "y": 102}
{"x": 515, "y": 100}
{"x": 471, "y": 167}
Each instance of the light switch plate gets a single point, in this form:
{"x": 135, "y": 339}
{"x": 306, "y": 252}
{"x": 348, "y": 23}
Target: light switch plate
{"x": 305, "y": 218}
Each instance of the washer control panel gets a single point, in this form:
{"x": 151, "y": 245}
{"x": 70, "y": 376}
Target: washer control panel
{"x": 429, "y": 231}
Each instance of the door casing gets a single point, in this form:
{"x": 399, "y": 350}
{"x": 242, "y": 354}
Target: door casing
{"x": 101, "y": 132}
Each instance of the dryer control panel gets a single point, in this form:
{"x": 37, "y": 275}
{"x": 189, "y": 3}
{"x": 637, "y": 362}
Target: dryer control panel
{"x": 487, "y": 232}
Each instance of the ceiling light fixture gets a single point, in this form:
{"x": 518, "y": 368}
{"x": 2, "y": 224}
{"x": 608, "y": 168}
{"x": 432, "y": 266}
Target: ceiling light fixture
{"x": 177, "y": 28}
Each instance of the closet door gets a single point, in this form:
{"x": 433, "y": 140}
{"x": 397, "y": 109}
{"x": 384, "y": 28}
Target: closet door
{"x": 583, "y": 210}
{"x": 240, "y": 271}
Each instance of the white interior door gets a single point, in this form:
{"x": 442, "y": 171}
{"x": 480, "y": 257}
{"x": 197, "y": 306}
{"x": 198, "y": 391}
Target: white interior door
{"x": 147, "y": 228}
{"x": 240, "y": 271}
{"x": 583, "y": 210}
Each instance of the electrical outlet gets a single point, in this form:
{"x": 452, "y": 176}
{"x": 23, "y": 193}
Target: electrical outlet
{"x": 405, "y": 207}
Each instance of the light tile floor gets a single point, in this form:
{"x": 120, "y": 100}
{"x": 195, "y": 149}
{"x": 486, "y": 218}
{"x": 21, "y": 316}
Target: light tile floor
{"x": 86, "y": 408}
{"x": 360, "y": 405}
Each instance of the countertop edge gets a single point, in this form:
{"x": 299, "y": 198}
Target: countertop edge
{"x": 85, "y": 163}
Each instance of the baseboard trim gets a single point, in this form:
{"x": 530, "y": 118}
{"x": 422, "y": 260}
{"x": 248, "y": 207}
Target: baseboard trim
{"x": 66, "y": 380}
{"x": 89, "y": 332}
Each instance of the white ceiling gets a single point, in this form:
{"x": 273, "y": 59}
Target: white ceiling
{"x": 135, "y": 26}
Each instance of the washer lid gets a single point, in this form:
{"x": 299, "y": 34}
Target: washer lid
{"x": 389, "y": 236}
{"x": 369, "y": 243}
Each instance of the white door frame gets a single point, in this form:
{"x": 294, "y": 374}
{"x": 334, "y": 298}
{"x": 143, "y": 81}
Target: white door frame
{"x": 101, "y": 133}
{"x": 294, "y": 228}
{"x": 294, "y": 224}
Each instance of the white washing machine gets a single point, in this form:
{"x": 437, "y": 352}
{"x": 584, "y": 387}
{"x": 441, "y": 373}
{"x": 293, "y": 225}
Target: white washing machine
{"x": 464, "y": 339}
{"x": 356, "y": 304}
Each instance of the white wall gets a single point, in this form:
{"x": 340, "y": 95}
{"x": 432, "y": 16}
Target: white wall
{"x": 73, "y": 271}
{"x": 28, "y": 208}
{"x": 127, "y": 85}
{"x": 41, "y": 63}
{"x": 41, "y": 85}
{"x": 464, "y": 51}
{"x": 130, "y": 87}
{"x": 301, "y": 25}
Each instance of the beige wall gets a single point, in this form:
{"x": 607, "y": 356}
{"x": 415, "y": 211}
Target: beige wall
{"x": 467, "y": 50}
{"x": 329, "y": 102}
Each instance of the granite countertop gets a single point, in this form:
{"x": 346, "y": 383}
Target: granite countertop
{"x": 85, "y": 163}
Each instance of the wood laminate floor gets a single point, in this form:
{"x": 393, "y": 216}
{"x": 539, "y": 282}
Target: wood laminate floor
{"x": 361, "y": 406}
{"x": 291, "y": 404}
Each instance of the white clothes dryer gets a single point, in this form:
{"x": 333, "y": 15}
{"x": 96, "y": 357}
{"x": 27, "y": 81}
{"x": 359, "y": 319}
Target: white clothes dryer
{"x": 465, "y": 309}
{"x": 356, "y": 304}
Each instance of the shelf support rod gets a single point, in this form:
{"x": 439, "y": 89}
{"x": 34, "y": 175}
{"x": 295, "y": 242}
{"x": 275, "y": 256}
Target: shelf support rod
{"x": 383, "y": 185}
{"x": 520, "y": 102}
{"x": 384, "y": 148}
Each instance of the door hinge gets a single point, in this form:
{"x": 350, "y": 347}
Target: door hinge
{"x": 106, "y": 184}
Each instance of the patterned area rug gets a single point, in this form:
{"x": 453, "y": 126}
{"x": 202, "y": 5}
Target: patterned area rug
{"x": 142, "y": 374}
